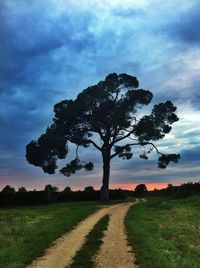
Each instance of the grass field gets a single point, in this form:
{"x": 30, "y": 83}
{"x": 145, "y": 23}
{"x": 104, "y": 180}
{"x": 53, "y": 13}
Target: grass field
{"x": 25, "y": 232}
{"x": 166, "y": 233}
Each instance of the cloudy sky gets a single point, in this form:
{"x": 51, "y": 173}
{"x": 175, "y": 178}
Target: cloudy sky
{"x": 51, "y": 50}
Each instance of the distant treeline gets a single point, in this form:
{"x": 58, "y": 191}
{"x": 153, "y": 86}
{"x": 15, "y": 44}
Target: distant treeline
{"x": 10, "y": 197}
{"x": 182, "y": 191}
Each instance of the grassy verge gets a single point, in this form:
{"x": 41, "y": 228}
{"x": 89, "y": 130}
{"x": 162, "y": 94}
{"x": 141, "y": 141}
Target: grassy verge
{"x": 84, "y": 257}
{"x": 27, "y": 231}
{"x": 165, "y": 233}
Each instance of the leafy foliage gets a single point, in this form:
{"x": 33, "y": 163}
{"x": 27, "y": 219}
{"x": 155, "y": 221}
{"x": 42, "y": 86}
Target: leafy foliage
{"x": 108, "y": 110}
{"x": 157, "y": 124}
{"x": 74, "y": 166}
{"x": 140, "y": 190}
{"x": 123, "y": 152}
{"x": 164, "y": 160}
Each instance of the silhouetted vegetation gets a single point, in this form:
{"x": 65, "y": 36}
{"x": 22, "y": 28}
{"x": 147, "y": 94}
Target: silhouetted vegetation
{"x": 140, "y": 190}
{"x": 182, "y": 191}
{"x": 51, "y": 194}
{"x": 105, "y": 111}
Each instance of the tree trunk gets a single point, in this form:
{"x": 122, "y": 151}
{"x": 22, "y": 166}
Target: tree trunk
{"x": 106, "y": 176}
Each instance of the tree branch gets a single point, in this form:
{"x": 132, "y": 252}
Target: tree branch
{"x": 95, "y": 145}
{"x": 113, "y": 155}
{"x": 138, "y": 143}
{"x": 124, "y": 137}
{"x": 150, "y": 143}
{"x": 147, "y": 143}
{"x": 77, "y": 151}
{"x": 100, "y": 133}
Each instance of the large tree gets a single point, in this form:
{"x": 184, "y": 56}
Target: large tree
{"x": 104, "y": 116}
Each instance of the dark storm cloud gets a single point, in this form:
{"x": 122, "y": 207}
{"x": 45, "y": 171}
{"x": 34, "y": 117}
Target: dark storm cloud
{"x": 191, "y": 155}
{"x": 187, "y": 26}
{"x": 28, "y": 41}
{"x": 136, "y": 171}
{"x": 51, "y": 50}
{"x": 195, "y": 98}
{"x": 28, "y": 47}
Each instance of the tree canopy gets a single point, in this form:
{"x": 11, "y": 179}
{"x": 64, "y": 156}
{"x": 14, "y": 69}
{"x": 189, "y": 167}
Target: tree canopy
{"x": 140, "y": 190}
{"x": 107, "y": 110}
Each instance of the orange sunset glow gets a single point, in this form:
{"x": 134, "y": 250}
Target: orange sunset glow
{"x": 150, "y": 185}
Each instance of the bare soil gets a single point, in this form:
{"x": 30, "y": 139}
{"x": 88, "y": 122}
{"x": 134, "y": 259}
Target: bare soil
{"x": 114, "y": 251}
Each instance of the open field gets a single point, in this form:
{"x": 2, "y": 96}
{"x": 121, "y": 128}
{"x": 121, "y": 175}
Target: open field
{"x": 26, "y": 231}
{"x": 82, "y": 243}
{"x": 166, "y": 233}
{"x": 163, "y": 232}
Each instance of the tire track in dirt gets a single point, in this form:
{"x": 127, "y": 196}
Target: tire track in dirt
{"x": 115, "y": 251}
{"x": 61, "y": 253}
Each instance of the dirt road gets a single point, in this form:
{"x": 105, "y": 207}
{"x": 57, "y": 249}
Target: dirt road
{"x": 113, "y": 253}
